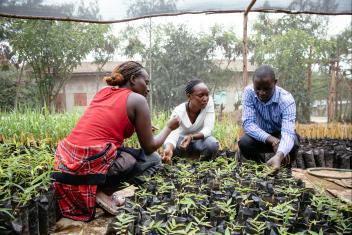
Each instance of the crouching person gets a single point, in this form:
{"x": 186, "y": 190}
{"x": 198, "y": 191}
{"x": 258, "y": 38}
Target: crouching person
{"x": 193, "y": 137}
{"x": 268, "y": 119}
{"x": 92, "y": 155}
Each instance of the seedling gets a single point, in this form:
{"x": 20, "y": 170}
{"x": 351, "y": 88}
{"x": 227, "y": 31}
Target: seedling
{"x": 123, "y": 221}
{"x": 173, "y": 228}
{"x": 227, "y": 208}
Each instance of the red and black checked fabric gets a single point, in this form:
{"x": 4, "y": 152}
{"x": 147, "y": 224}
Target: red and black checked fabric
{"x": 78, "y": 201}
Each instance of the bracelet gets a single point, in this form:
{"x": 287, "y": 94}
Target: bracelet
{"x": 192, "y": 137}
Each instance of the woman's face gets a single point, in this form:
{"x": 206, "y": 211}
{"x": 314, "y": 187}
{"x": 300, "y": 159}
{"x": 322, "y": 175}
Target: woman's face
{"x": 199, "y": 96}
{"x": 141, "y": 83}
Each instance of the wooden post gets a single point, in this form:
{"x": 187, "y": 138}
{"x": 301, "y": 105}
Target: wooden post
{"x": 245, "y": 51}
{"x": 332, "y": 93}
{"x": 245, "y": 44}
{"x": 150, "y": 67}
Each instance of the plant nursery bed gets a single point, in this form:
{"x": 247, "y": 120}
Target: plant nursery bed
{"x": 225, "y": 197}
{"x": 27, "y": 202}
{"x": 221, "y": 196}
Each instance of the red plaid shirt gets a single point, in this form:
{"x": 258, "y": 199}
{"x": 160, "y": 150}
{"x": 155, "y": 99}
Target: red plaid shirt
{"x": 78, "y": 201}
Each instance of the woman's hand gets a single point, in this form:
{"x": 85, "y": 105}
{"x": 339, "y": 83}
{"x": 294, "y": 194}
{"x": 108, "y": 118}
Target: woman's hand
{"x": 185, "y": 142}
{"x": 174, "y": 122}
{"x": 167, "y": 154}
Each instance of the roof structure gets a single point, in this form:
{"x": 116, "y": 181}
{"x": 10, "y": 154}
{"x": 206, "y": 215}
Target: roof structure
{"x": 113, "y": 11}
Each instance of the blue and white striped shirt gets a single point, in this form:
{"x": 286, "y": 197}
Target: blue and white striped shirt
{"x": 277, "y": 115}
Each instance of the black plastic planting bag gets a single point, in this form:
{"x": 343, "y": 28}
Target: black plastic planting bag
{"x": 33, "y": 220}
{"x": 44, "y": 217}
{"x": 336, "y": 160}
{"x": 345, "y": 161}
{"x": 47, "y": 212}
{"x": 329, "y": 158}
{"x": 322, "y": 157}
{"x": 5, "y": 218}
{"x": 318, "y": 157}
{"x": 299, "y": 160}
{"x": 20, "y": 224}
{"x": 309, "y": 159}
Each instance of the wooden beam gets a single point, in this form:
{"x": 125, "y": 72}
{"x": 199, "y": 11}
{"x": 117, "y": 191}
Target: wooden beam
{"x": 245, "y": 45}
{"x": 249, "y": 7}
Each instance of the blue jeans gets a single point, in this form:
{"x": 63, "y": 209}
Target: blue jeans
{"x": 207, "y": 147}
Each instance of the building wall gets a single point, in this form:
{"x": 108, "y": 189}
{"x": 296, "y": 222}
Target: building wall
{"x": 85, "y": 83}
{"x": 233, "y": 92}
{"x": 80, "y": 90}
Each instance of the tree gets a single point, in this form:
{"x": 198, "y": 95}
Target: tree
{"x": 337, "y": 63}
{"x": 49, "y": 48}
{"x": 147, "y": 7}
{"x": 52, "y": 50}
{"x": 179, "y": 55}
{"x": 144, "y": 7}
{"x": 104, "y": 50}
{"x": 291, "y": 45}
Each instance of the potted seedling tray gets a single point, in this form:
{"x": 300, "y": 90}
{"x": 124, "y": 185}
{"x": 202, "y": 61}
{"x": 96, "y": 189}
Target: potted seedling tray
{"x": 224, "y": 196}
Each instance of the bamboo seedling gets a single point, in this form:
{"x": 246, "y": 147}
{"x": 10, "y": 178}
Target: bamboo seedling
{"x": 123, "y": 221}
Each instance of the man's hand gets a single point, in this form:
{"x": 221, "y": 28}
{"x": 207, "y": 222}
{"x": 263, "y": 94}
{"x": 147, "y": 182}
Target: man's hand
{"x": 274, "y": 142}
{"x": 185, "y": 142}
{"x": 275, "y": 161}
{"x": 167, "y": 154}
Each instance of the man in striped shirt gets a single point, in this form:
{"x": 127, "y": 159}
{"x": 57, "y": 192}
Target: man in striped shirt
{"x": 268, "y": 119}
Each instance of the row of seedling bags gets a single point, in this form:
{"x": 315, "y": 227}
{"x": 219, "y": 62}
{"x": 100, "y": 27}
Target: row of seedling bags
{"x": 324, "y": 153}
{"x": 38, "y": 216}
{"x": 219, "y": 201}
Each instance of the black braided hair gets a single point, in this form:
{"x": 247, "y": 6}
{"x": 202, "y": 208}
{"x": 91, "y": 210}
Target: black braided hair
{"x": 122, "y": 73}
{"x": 191, "y": 84}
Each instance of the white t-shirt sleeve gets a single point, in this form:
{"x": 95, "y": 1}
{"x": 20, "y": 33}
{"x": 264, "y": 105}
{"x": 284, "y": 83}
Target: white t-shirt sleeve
{"x": 175, "y": 134}
{"x": 209, "y": 119}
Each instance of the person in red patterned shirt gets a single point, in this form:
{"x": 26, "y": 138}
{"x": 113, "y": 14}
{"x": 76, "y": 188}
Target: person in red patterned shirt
{"x": 92, "y": 156}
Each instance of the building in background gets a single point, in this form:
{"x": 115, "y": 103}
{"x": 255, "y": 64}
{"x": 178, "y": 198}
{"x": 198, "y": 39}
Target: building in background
{"x": 86, "y": 81}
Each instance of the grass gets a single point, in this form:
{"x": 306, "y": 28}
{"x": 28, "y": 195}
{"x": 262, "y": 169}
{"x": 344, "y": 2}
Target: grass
{"x": 33, "y": 127}
{"x": 30, "y": 127}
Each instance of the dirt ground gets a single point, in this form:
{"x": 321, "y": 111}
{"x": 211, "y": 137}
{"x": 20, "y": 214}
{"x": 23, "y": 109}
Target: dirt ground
{"x": 332, "y": 187}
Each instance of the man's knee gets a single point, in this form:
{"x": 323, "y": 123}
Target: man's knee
{"x": 245, "y": 142}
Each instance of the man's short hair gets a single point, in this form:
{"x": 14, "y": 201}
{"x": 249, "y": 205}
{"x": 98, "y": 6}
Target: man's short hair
{"x": 264, "y": 71}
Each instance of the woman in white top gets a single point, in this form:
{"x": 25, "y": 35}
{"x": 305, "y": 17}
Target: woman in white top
{"x": 193, "y": 136}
